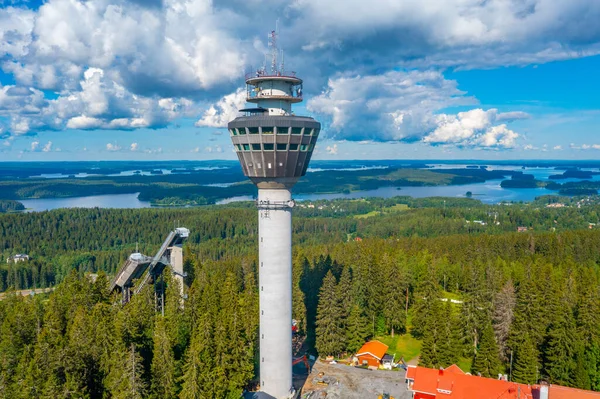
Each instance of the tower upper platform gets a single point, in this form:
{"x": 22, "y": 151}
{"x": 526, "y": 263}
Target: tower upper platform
{"x": 274, "y": 146}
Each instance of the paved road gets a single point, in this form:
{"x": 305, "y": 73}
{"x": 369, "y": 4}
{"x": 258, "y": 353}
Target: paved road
{"x": 352, "y": 382}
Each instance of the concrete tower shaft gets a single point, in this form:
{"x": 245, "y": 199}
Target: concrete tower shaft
{"x": 274, "y": 147}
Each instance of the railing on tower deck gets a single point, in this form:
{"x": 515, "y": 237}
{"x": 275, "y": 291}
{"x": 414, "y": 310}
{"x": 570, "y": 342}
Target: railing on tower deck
{"x": 267, "y": 74}
{"x": 252, "y": 94}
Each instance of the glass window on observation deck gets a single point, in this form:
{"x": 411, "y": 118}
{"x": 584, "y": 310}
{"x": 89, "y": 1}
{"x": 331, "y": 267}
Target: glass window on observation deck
{"x": 253, "y": 130}
{"x": 238, "y": 147}
{"x": 246, "y": 147}
{"x": 255, "y": 147}
{"x": 267, "y": 130}
{"x": 304, "y": 147}
{"x": 241, "y": 130}
{"x": 296, "y": 130}
{"x": 281, "y": 147}
{"x": 268, "y": 146}
{"x": 293, "y": 147}
{"x": 282, "y": 130}
{"x": 233, "y": 132}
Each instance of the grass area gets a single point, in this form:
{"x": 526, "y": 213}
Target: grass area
{"x": 404, "y": 345}
{"x": 367, "y": 215}
{"x": 465, "y": 364}
{"x": 451, "y": 295}
{"x": 390, "y": 209}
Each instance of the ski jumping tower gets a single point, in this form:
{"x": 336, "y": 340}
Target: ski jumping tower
{"x": 274, "y": 147}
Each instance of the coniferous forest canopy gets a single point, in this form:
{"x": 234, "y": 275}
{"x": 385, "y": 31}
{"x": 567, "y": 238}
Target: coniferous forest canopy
{"x": 533, "y": 295}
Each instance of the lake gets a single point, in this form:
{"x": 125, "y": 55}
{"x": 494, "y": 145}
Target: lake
{"x": 489, "y": 192}
{"x": 100, "y": 201}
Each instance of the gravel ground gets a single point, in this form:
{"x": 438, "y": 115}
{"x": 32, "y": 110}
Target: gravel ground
{"x": 348, "y": 382}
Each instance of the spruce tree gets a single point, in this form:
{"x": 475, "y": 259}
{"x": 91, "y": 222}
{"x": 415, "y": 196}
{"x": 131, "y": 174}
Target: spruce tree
{"x": 561, "y": 348}
{"x": 330, "y": 336}
{"x": 199, "y": 363}
{"x": 357, "y": 329}
{"x": 487, "y": 361}
{"x": 433, "y": 335}
{"x": 163, "y": 363}
{"x": 449, "y": 346}
{"x": 525, "y": 362}
{"x": 125, "y": 380}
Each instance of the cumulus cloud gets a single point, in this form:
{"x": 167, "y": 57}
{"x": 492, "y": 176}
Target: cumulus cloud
{"x": 35, "y": 145}
{"x": 332, "y": 149}
{"x": 143, "y": 64}
{"x": 224, "y": 110}
{"x": 133, "y": 147}
{"x": 557, "y": 148}
{"x": 47, "y": 147}
{"x": 473, "y": 128}
{"x": 112, "y": 147}
{"x": 404, "y": 106}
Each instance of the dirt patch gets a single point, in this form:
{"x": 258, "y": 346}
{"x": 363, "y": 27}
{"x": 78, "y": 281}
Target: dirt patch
{"x": 347, "y": 382}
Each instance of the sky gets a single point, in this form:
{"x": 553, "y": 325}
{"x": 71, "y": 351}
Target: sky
{"x": 411, "y": 79}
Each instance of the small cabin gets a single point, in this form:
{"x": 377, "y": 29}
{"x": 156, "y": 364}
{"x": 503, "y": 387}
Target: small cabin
{"x": 371, "y": 354}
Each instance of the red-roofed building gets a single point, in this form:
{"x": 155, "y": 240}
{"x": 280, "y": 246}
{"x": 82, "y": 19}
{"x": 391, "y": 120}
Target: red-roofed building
{"x": 453, "y": 383}
{"x": 371, "y": 353}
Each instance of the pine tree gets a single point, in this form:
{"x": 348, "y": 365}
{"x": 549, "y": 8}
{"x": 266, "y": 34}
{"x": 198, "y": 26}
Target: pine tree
{"x": 525, "y": 362}
{"x": 357, "y": 329}
{"x": 330, "y": 336}
{"x": 163, "y": 363}
{"x": 487, "y": 361}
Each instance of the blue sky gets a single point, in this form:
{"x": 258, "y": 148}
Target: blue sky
{"x": 159, "y": 79}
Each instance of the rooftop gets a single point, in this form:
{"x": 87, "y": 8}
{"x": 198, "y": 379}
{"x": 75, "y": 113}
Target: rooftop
{"x": 453, "y": 383}
{"x": 375, "y": 348}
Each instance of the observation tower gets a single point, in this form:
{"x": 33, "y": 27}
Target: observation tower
{"x": 274, "y": 147}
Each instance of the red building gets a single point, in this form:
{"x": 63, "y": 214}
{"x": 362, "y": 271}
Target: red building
{"x": 453, "y": 383}
{"x": 371, "y": 353}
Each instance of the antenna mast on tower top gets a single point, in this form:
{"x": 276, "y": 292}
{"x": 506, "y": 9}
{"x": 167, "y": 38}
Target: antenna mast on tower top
{"x": 274, "y": 50}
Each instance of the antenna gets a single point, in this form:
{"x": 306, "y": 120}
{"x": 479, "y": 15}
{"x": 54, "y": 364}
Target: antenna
{"x": 282, "y": 65}
{"x": 273, "y": 44}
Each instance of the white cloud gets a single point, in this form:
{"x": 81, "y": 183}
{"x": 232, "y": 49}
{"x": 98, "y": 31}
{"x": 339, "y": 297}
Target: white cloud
{"x": 557, "y": 148}
{"x": 133, "y": 147}
{"x": 332, "y": 149}
{"x": 35, "y": 145}
{"x": 224, "y": 110}
{"x": 143, "y": 64}
{"x": 47, "y": 147}
{"x": 404, "y": 106}
{"x": 195, "y": 150}
{"x": 530, "y": 147}
{"x": 112, "y": 147}
{"x": 473, "y": 128}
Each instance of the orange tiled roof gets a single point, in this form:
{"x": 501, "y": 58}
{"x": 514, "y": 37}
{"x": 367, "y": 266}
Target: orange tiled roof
{"x": 453, "y": 383}
{"x": 375, "y": 348}
{"x": 559, "y": 392}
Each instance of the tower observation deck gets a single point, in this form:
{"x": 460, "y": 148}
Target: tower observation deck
{"x": 274, "y": 147}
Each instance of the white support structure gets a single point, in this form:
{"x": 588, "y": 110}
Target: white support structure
{"x": 177, "y": 267}
{"x": 275, "y": 281}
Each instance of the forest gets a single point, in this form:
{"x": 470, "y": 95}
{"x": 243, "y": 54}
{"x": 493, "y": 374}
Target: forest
{"x": 530, "y": 296}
